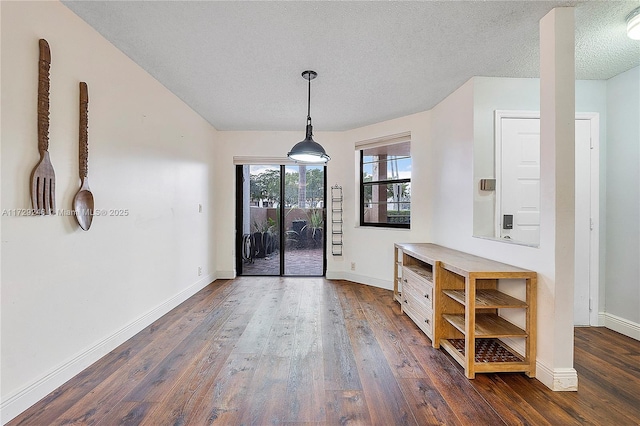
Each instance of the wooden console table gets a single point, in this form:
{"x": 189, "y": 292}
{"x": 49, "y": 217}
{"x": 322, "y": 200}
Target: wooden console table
{"x": 454, "y": 298}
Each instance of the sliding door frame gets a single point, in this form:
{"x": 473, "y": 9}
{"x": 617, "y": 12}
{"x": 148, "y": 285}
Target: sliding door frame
{"x": 281, "y": 220}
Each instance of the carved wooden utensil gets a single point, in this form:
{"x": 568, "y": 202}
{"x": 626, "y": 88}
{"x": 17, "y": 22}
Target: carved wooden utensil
{"x": 83, "y": 201}
{"x": 43, "y": 178}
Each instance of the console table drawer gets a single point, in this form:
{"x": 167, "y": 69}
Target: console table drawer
{"x": 421, "y": 316}
{"x": 418, "y": 288}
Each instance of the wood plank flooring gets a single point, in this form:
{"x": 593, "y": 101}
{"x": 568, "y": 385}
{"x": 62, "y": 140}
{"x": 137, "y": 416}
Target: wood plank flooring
{"x": 307, "y": 351}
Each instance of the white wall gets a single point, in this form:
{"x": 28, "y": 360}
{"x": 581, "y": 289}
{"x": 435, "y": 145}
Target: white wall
{"x": 623, "y": 203}
{"x": 490, "y": 94}
{"x": 523, "y": 94}
{"x": 451, "y": 167}
{"x": 372, "y": 265}
{"x": 493, "y": 93}
{"x": 451, "y": 159}
{"x": 618, "y": 103}
{"x": 254, "y": 144}
{"x": 372, "y": 248}
{"x": 69, "y": 296}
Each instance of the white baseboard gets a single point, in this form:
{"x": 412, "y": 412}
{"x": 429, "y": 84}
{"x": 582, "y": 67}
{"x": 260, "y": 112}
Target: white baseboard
{"x": 24, "y": 398}
{"x": 622, "y": 326}
{"x": 566, "y": 379}
{"x": 360, "y": 279}
{"x": 558, "y": 379}
{"x": 225, "y": 275}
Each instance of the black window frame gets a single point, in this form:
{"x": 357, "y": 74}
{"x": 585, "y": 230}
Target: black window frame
{"x": 364, "y": 184}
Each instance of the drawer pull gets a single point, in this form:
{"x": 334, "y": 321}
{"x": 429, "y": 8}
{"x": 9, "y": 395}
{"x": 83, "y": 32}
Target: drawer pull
{"x": 405, "y": 300}
{"x": 426, "y": 295}
{"x": 405, "y": 280}
{"x": 427, "y": 321}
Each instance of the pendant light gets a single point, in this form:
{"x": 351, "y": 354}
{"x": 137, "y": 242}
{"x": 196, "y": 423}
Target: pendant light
{"x": 308, "y": 150}
{"x": 633, "y": 24}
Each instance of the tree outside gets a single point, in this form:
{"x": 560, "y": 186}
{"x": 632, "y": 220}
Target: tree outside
{"x": 265, "y": 187}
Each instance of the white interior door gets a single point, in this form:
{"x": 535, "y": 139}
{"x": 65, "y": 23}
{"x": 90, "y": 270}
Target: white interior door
{"x": 520, "y": 180}
{"x": 518, "y": 174}
{"x": 581, "y": 306}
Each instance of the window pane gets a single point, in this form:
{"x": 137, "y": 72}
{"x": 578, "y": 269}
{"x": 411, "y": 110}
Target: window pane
{"x": 264, "y": 185}
{"x": 304, "y": 186}
{"x": 386, "y": 168}
{"x": 367, "y": 172}
{"x": 387, "y": 203}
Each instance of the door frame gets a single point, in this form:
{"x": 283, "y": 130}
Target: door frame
{"x": 594, "y": 184}
{"x": 594, "y": 236}
{"x": 239, "y": 163}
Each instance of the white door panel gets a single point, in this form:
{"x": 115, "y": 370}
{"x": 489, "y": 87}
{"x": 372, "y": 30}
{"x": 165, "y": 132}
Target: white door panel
{"x": 583, "y": 222}
{"x": 529, "y": 219}
{"x": 520, "y": 180}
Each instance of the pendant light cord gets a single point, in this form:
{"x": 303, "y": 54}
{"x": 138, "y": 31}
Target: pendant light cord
{"x": 308, "y": 150}
{"x": 309, "y": 104}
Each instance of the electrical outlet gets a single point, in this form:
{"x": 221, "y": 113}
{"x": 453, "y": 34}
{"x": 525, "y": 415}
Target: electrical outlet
{"x": 353, "y": 266}
{"x": 199, "y": 270}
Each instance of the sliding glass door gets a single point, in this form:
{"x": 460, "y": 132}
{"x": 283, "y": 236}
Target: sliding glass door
{"x": 304, "y": 220}
{"x": 280, "y": 220}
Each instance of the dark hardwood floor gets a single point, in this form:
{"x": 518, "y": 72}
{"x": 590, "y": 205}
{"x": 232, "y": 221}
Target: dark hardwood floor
{"x": 262, "y": 351}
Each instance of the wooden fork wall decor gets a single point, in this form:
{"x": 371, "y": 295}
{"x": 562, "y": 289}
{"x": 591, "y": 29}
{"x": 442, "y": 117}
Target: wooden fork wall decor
{"x": 43, "y": 178}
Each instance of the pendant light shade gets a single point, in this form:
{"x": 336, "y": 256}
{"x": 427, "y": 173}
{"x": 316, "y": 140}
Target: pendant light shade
{"x": 308, "y": 150}
{"x": 633, "y": 24}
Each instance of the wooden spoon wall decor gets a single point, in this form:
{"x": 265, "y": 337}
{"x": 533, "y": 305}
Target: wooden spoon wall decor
{"x": 83, "y": 201}
{"x": 43, "y": 178}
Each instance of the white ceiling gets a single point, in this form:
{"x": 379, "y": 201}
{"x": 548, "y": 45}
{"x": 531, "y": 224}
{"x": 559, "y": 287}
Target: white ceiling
{"x": 238, "y": 63}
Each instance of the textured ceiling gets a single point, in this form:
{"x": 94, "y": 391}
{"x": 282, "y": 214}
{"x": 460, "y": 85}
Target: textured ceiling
{"x": 238, "y": 63}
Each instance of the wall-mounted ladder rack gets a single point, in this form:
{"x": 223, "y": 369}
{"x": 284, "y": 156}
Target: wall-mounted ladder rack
{"x": 336, "y": 220}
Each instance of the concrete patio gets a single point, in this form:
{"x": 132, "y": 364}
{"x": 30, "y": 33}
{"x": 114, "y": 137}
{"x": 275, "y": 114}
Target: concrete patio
{"x": 297, "y": 261}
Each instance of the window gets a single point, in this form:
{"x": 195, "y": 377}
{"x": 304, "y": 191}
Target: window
{"x": 385, "y": 182}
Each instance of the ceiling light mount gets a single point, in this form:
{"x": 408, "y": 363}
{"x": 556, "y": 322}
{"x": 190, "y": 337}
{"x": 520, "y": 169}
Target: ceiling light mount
{"x": 309, "y": 75}
{"x": 633, "y": 24}
{"x": 308, "y": 150}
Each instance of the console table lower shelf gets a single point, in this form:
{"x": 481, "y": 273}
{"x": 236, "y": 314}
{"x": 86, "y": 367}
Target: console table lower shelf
{"x": 491, "y": 355}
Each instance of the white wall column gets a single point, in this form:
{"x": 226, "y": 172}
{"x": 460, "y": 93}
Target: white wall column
{"x": 557, "y": 147}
